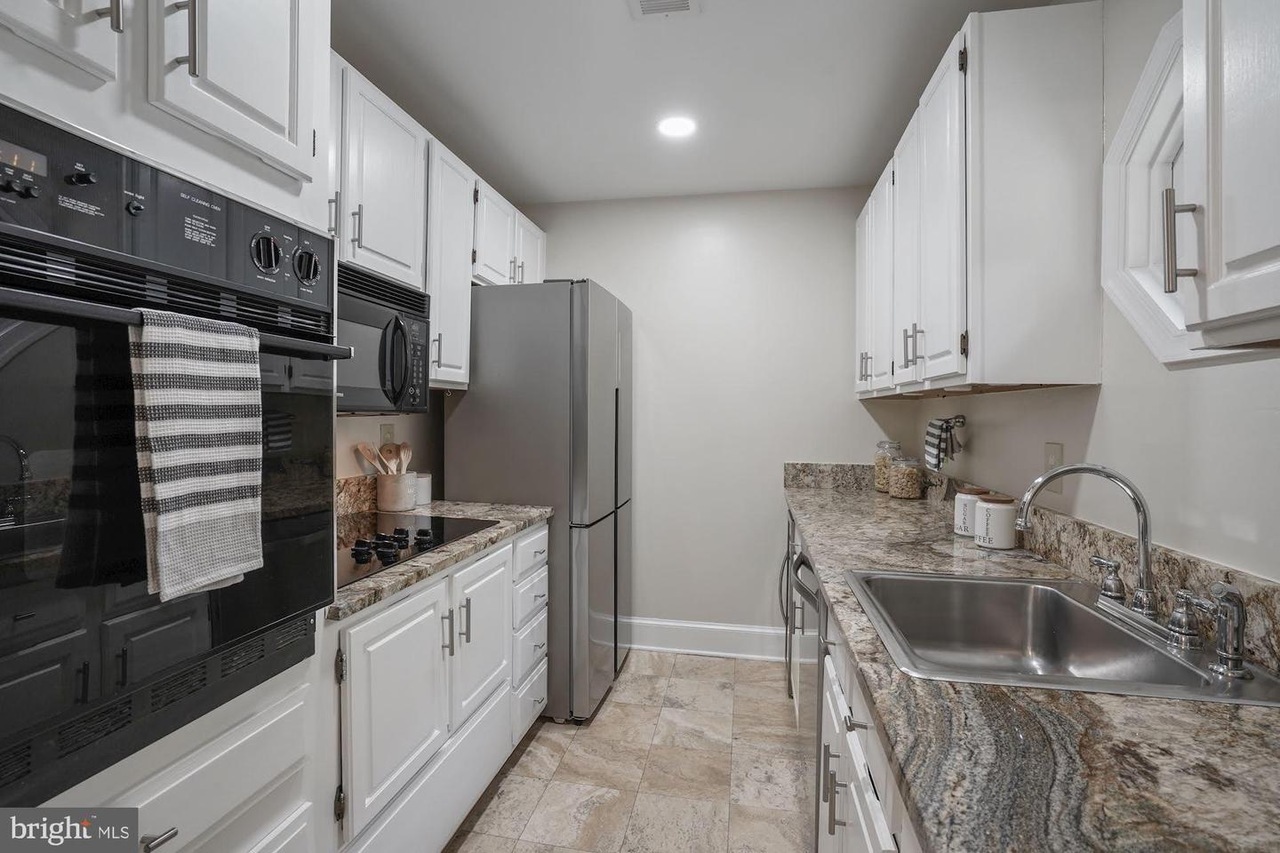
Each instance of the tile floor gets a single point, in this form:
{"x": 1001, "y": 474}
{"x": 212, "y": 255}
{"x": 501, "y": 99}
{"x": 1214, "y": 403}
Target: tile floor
{"x": 688, "y": 754}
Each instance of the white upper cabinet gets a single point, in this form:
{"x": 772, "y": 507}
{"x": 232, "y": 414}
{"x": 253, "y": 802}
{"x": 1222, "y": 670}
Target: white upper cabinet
{"x": 450, "y": 240}
{"x": 87, "y": 38}
{"x": 862, "y": 303}
{"x": 1232, "y": 124}
{"x": 482, "y": 610}
{"x": 495, "y": 238}
{"x": 531, "y": 251}
{"x": 383, "y": 201}
{"x": 243, "y": 70}
{"x": 905, "y": 178}
{"x": 880, "y": 279}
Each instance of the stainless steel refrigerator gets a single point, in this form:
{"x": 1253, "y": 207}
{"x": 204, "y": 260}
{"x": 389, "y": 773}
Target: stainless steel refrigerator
{"x": 547, "y": 419}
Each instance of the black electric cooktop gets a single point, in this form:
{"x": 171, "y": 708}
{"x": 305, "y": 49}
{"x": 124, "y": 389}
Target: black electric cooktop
{"x": 369, "y": 542}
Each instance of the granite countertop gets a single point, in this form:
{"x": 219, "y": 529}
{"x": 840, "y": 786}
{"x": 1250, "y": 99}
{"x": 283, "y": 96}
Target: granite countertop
{"x": 985, "y": 767}
{"x": 366, "y": 592}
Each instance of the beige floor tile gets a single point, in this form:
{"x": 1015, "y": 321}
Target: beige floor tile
{"x": 581, "y": 817}
{"x": 760, "y": 672}
{"x": 474, "y": 842}
{"x": 606, "y": 763}
{"x": 769, "y": 781}
{"x": 621, "y": 722}
{"x": 672, "y": 825}
{"x": 639, "y": 689}
{"x": 690, "y": 773}
{"x": 530, "y": 847}
{"x": 690, "y": 695}
{"x": 694, "y": 730}
{"x": 770, "y": 726}
{"x": 539, "y": 754}
{"x": 757, "y": 830}
{"x": 766, "y": 691}
{"x": 703, "y": 668}
{"x": 505, "y": 807}
{"x": 649, "y": 663}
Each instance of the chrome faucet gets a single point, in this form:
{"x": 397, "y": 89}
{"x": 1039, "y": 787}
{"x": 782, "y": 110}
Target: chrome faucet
{"x": 1227, "y": 605}
{"x": 24, "y": 475}
{"x": 1143, "y": 597}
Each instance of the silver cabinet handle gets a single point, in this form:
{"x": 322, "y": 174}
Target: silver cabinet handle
{"x": 357, "y": 217}
{"x": 539, "y": 595}
{"x": 465, "y": 633}
{"x": 539, "y": 646}
{"x": 539, "y": 552}
{"x": 850, "y": 724}
{"x": 335, "y": 204}
{"x": 438, "y": 340}
{"x": 906, "y": 342}
{"x": 513, "y": 271}
{"x": 520, "y": 278}
{"x": 835, "y": 785}
{"x": 448, "y": 632}
{"x": 827, "y": 775}
{"x": 155, "y": 842}
{"x": 114, "y": 11}
{"x": 916, "y": 332}
{"x": 540, "y": 700}
{"x": 1172, "y": 272}
{"x": 192, "y": 60}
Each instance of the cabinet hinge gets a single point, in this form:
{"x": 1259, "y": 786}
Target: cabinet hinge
{"x": 340, "y": 666}
{"x": 964, "y": 344}
{"x": 964, "y": 60}
{"x": 313, "y": 143}
{"x": 475, "y": 196}
{"x": 473, "y": 256}
{"x": 339, "y": 804}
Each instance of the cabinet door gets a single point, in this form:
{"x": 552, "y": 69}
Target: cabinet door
{"x": 395, "y": 700}
{"x": 862, "y": 306}
{"x": 1232, "y": 123}
{"x": 880, "y": 275}
{"x": 450, "y": 241}
{"x": 495, "y": 238}
{"x": 45, "y": 680}
{"x": 88, "y": 39}
{"x": 244, "y": 70}
{"x": 942, "y": 257}
{"x": 482, "y": 610}
{"x": 384, "y": 184}
{"x": 531, "y": 251}
{"x": 906, "y": 251}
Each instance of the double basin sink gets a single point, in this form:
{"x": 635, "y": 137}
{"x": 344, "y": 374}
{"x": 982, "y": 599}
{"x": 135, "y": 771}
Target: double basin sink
{"x": 1038, "y": 633}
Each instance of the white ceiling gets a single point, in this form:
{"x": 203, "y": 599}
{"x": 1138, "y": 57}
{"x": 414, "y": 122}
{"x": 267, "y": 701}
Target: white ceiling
{"x": 557, "y": 100}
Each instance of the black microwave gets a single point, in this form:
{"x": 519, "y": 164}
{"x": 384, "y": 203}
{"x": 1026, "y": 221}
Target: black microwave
{"x": 387, "y": 327}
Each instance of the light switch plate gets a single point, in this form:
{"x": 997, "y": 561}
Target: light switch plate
{"x": 1053, "y": 457}
{"x": 387, "y": 434}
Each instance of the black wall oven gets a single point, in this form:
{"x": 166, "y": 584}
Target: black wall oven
{"x": 386, "y": 325}
{"x": 92, "y": 667}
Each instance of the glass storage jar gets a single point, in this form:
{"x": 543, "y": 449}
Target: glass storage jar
{"x": 886, "y": 452}
{"x": 906, "y": 478}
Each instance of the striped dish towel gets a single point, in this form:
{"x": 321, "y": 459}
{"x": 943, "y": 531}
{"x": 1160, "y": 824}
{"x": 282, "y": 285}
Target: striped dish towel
{"x": 940, "y": 443}
{"x": 198, "y": 409}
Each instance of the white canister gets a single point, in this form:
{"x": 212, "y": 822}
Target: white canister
{"x": 993, "y": 522}
{"x": 397, "y": 492}
{"x": 424, "y": 488}
{"x": 966, "y": 506}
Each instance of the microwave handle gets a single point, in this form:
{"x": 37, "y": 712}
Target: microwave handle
{"x": 395, "y": 354}
{"x": 387, "y": 361}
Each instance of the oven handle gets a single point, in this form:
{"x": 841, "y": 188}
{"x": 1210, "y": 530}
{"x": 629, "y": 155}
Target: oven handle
{"x": 64, "y": 307}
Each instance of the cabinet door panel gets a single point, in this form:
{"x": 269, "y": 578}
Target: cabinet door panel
{"x": 243, "y": 70}
{"x": 862, "y": 308}
{"x": 906, "y": 252}
{"x": 395, "y": 702}
{"x": 44, "y": 681}
{"x": 482, "y": 608}
{"x": 1232, "y": 123}
{"x": 384, "y": 191}
{"x": 531, "y": 252}
{"x": 943, "y": 296}
{"x": 495, "y": 238}
{"x": 70, "y": 29}
{"x": 451, "y": 229}
{"x": 880, "y": 276}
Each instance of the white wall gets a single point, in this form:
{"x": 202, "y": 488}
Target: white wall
{"x": 744, "y": 359}
{"x": 1199, "y": 442}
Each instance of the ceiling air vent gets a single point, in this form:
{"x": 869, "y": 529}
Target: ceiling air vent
{"x": 655, "y": 9}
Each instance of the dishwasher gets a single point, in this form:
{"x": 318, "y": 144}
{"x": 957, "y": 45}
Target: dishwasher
{"x": 806, "y": 636}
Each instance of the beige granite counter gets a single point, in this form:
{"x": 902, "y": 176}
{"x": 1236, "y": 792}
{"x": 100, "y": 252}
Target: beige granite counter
{"x": 366, "y": 592}
{"x": 984, "y": 767}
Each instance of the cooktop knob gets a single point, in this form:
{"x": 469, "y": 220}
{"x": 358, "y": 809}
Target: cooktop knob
{"x": 387, "y": 555}
{"x": 362, "y": 545}
{"x": 362, "y": 557}
{"x": 400, "y": 532}
{"x": 382, "y": 537}
{"x": 82, "y": 178}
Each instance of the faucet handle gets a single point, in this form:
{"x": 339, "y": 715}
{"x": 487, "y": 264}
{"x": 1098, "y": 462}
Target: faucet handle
{"x": 1112, "y": 585}
{"x": 1184, "y": 624}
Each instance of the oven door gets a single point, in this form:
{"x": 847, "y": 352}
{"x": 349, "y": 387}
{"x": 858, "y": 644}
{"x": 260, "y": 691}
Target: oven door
{"x": 376, "y": 377}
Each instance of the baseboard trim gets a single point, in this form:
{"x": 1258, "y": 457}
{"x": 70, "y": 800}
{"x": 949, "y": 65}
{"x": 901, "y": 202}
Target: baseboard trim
{"x": 707, "y": 638}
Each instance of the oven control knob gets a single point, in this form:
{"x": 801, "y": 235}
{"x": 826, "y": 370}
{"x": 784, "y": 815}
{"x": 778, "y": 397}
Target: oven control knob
{"x": 10, "y": 186}
{"x": 266, "y": 252}
{"x": 29, "y": 191}
{"x": 82, "y": 178}
{"x": 134, "y": 208}
{"x": 306, "y": 266}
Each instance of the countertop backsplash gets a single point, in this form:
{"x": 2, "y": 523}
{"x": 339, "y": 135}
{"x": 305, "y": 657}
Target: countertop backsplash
{"x": 1070, "y": 542}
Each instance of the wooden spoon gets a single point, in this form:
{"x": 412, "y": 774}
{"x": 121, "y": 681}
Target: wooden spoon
{"x": 391, "y": 455}
{"x": 366, "y": 450}
{"x": 406, "y": 453}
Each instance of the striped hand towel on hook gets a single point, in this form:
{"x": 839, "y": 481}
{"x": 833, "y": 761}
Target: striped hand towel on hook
{"x": 198, "y": 422}
{"x": 940, "y": 442}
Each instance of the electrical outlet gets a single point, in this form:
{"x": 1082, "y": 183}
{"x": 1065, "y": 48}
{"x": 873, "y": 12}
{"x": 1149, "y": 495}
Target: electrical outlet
{"x": 387, "y": 434}
{"x": 1053, "y": 459}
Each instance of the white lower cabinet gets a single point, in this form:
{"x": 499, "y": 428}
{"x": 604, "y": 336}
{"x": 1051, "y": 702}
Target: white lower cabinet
{"x": 482, "y": 611}
{"x": 528, "y": 702}
{"x": 529, "y": 640}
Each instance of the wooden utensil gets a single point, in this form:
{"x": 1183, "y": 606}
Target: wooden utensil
{"x": 366, "y": 450}
{"x": 391, "y": 456}
{"x": 406, "y": 453}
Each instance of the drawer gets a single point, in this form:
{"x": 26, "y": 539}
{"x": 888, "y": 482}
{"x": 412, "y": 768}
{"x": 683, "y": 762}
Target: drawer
{"x": 531, "y": 551}
{"x": 530, "y": 646}
{"x": 528, "y": 702}
{"x": 531, "y": 594}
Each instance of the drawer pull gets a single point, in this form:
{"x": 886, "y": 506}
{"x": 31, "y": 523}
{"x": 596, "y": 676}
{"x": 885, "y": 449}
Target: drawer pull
{"x": 539, "y": 552}
{"x": 23, "y": 617}
{"x": 154, "y": 842}
{"x": 834, "y": 785}
{"x": 539, "y": 595}
{"x": 466, "y": 631}
{"x": 540, "y": 646}
{"x": 448, "y": 631}
{"x": 850, "y": 724}
{"x": 540, "y": 700}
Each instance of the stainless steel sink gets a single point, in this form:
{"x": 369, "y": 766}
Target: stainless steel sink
{"x": 1036, "y": 633}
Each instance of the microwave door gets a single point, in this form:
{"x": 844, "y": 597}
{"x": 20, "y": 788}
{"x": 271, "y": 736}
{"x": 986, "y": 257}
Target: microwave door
{"x": 395, "y": 359}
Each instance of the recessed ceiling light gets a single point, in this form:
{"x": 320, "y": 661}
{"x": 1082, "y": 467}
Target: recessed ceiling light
{"x": 677, "y": 127}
